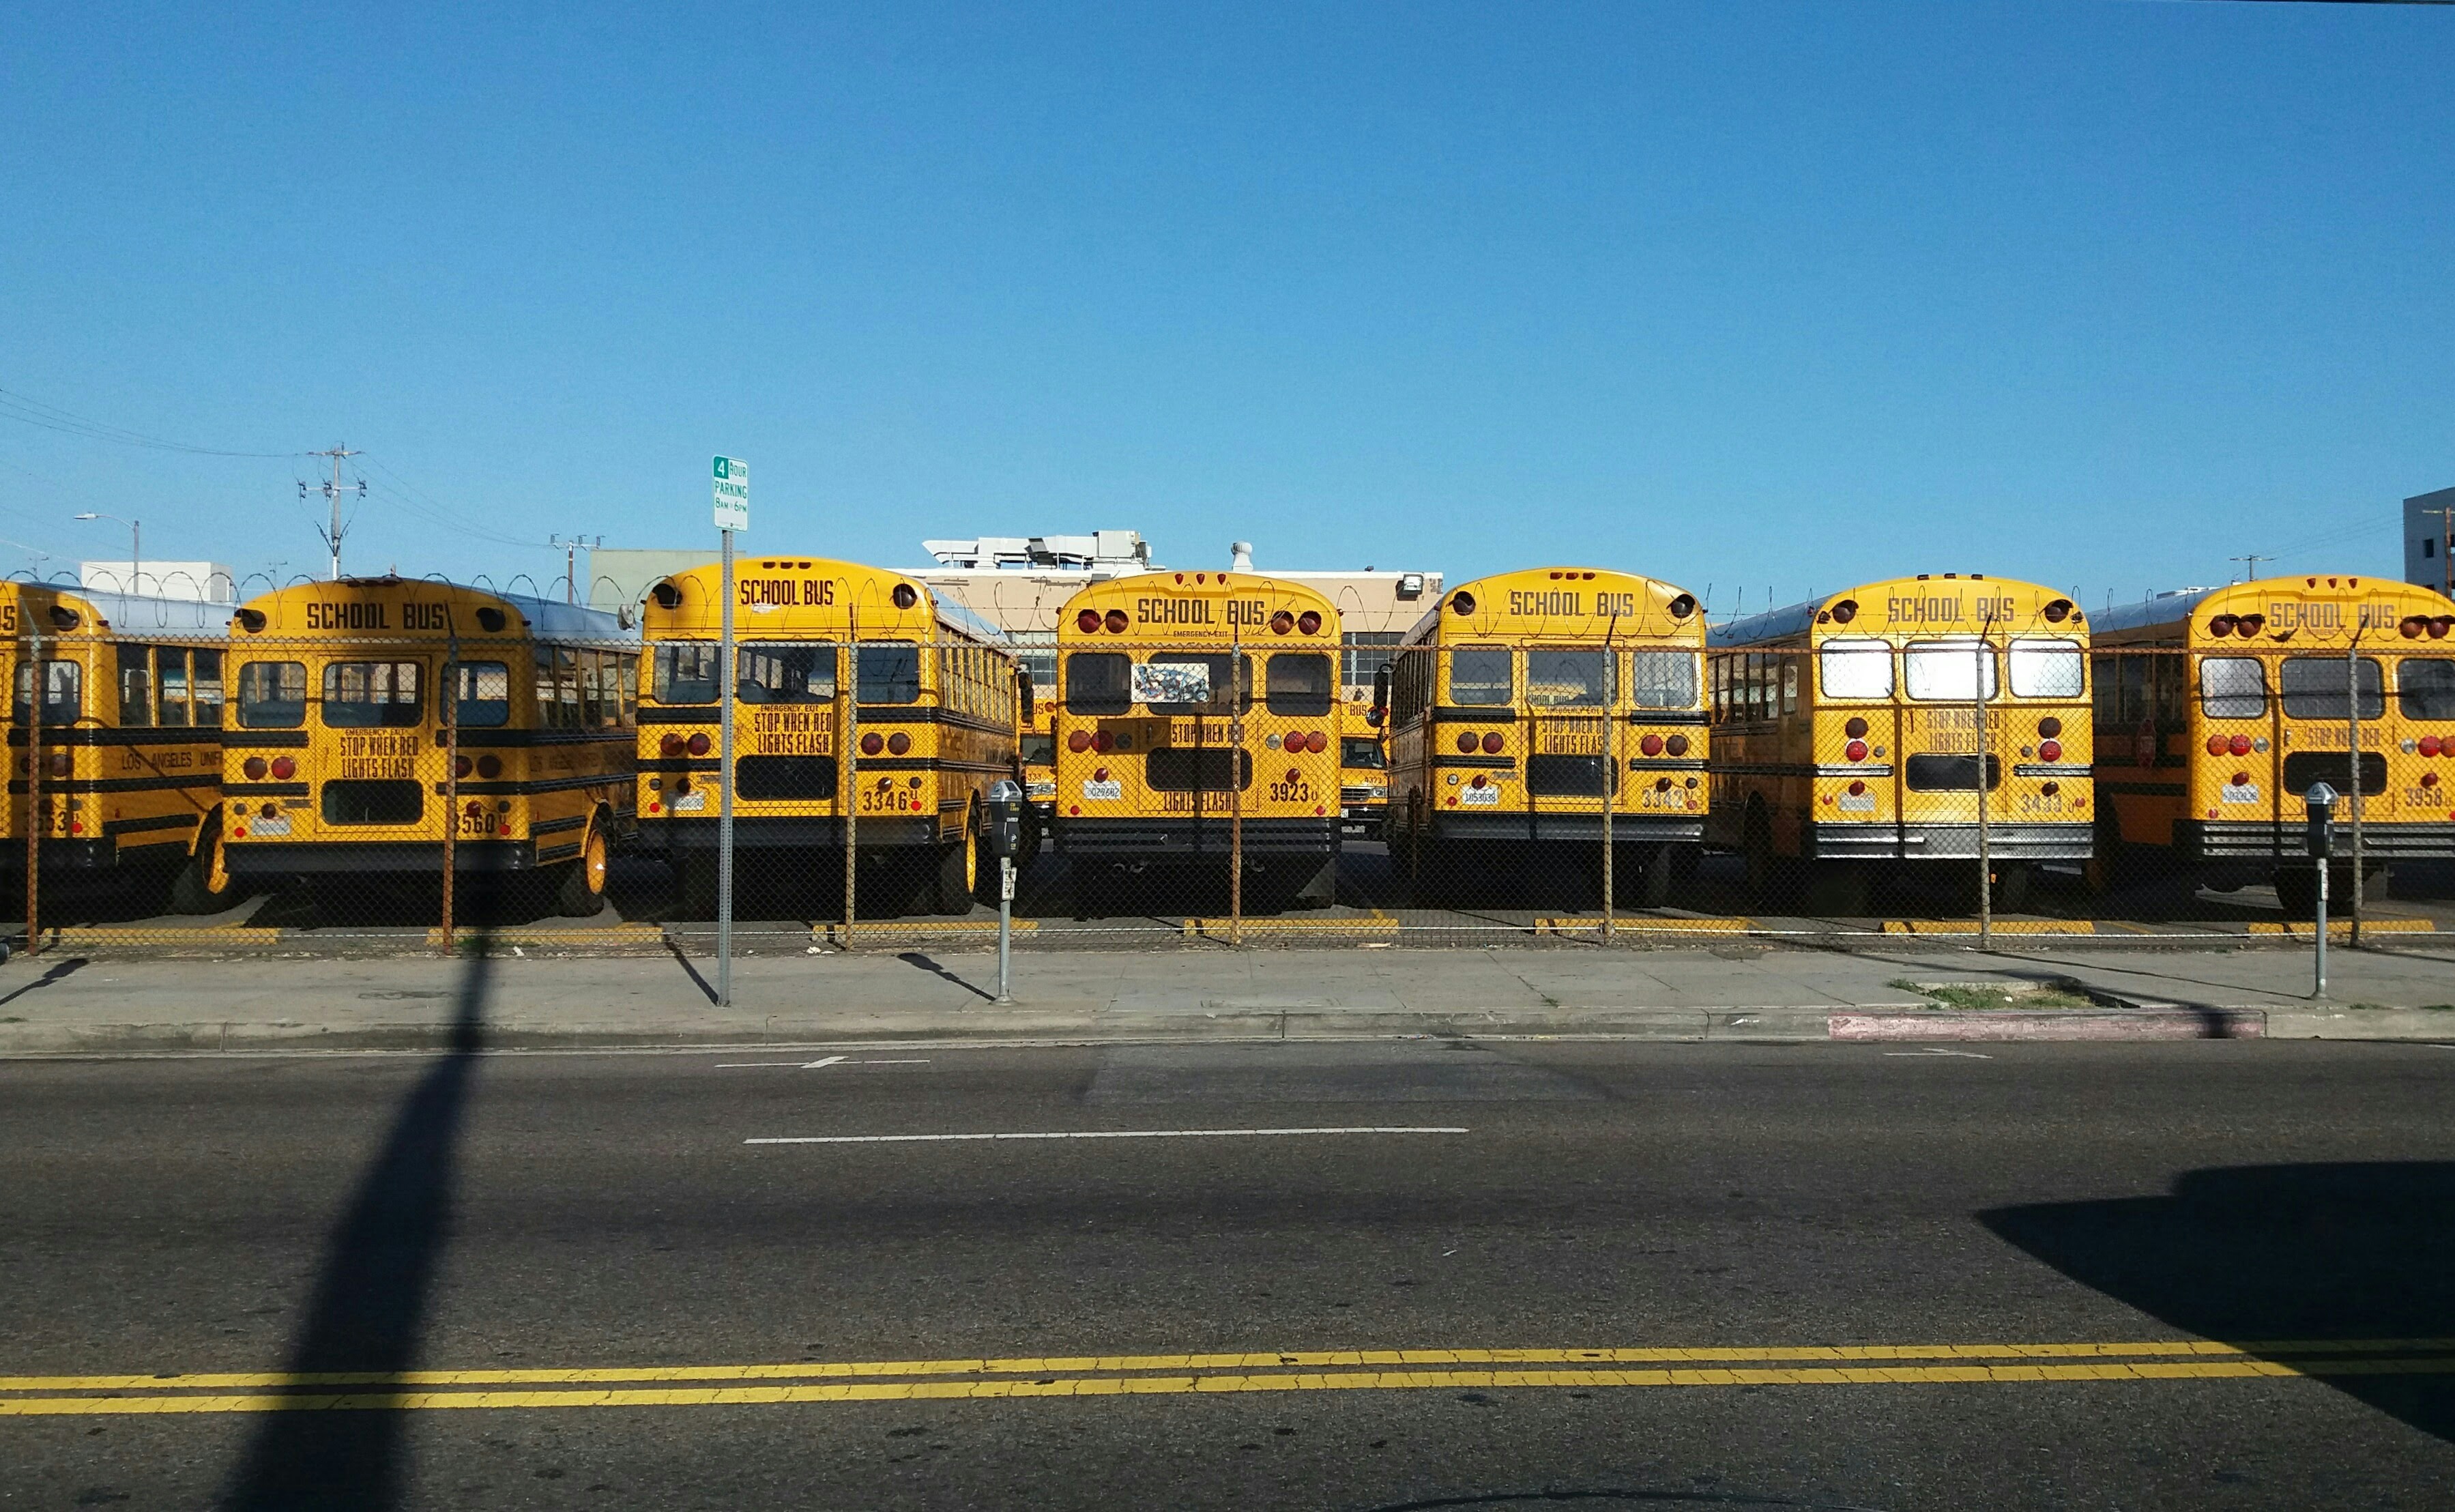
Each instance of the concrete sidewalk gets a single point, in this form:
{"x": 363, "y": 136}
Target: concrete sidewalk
{"x": 62, "y": 1004}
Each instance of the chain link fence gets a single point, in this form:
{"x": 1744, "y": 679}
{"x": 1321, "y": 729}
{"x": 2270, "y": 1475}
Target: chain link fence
{"x": 309, "y": 795}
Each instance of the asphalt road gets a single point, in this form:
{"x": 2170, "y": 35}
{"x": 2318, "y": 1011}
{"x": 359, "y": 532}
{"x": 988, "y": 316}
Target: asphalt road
{"x": 528, "y": 1215}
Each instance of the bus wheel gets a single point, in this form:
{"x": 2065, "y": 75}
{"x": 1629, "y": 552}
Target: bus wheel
{"x": 1769, "y": 880}
{"x": 2012, "y": 887}
{"x": 985, "y": 867}
{"x": 582, "y": 892}
{"x": 204, "y": 885}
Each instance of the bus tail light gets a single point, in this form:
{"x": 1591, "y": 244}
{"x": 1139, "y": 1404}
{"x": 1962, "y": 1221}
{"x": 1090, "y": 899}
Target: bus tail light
{"x": 1282, "y": 622}
{"x": 462, "y": 766}
{"x": 2241, "y": 780}
{"x": 2439, "y": 627}
{"x": 2050, "y": 728}
{"x": 1858, "y": 789}
{"x": 1077, "y": 741}
{"x": 2050, "y": 788}
{"x": 898, "y": 743}
{"x": 2247, "y": 626}
{"x": 1099, "y": 773}
{"x": 1308, "y": 623}
{"x": 489, "y": 766}
{"x": 1494, "y": 742}
{"x": 1104, "y": 742}
{"x": 2410, "y": 627}
{"x": 1087, "y": 621}
{"x": 1480, "y": 780}
{"x": 1650, "y": 745}
{"x": 2239, "y": 745}
{"x": 1466, "y": 741}
{"x": 1855, "y": 729}
{"x": 697, "y": 745}
{"x": 2218, "y": 745}
{"x": 1677, "y": 745}
{"x": 254, "y": 769}
{"x": 2221, "y": 626}
{"x": 2050, "y": 749}
{"x": 1294, "y": 776}
{"x": 2429, "y": 779}
{"x": 1317, "y": 742}
{"x": 2429, "y": 745}
{"x": 670, "y": 746}
{"x": 871, "y": 744}
{"x": 284, "y": 769}
{"x": 1116, "y": 622}
{"x": 1856, "y": 750}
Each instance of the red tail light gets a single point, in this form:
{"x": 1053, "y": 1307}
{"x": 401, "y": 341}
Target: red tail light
{"x": 2050, "y": 749}
{"x": 2429, "y": 745}
{"x": 1858, "y": 789}
{"x": 1116, "y": 622}
{"x": 462, "y": 767}
{"x": 1077, "y": 741}
{"x": 254, "y": 766}
{"x": 682, "y": 784}
{"x": 1099, "y": 773}
{"x": 2239, "y": 745}
{"x": 671, "y": 746}
{"x": 2439, "y": 627}
{"x": 2410, "y": 627}
{"x": 1855, "y": 729}
{"x": 1103, "y": 742}
{"x": 871, "y": 744}
{"x": 1294, "y": 776}
{"x": 490, "y": 766}
{"x": 1856, "y": 750}
{"x": 1494, "y": 743}
{"x": 2429, "y": 779}
{"x": 1677, "y": 745}
{"x": 1466, "y": 743}
{"x": 1317, "y": 742}
{"x": 898, "y": 743}
{"x": 697, "y": 745}
{"x": 1308, "y": 623}
{"x": 1087, "y": 621}
{"x": 284, "y": 769}
{"x": 2218, "y": 745}
{"x": 2239, "y": 778}
{"x": 2050, "y": 727}
{"x": 1479, "y": 780}
{"x": 1650, "y": 745}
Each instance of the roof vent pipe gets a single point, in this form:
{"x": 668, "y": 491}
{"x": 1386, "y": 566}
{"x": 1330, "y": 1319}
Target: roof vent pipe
{"x": 1240, "y": 557}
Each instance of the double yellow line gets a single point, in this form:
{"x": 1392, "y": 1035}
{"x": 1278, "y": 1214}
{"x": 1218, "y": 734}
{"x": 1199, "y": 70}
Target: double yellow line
{"x": 1196, "y": 1375}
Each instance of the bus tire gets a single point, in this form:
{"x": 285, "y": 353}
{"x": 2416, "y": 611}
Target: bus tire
{"x": 2012, "y": 887}
{"x": 204, "y": 885}
{"x": 1768, "y": 878}
{"x": 958, "y": 874}
{"x": 984, "y": 866}
{"x": 581, "y": 891}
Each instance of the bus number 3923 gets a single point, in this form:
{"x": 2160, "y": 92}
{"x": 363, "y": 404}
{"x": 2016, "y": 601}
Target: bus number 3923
{"x": 1291, "y": 793}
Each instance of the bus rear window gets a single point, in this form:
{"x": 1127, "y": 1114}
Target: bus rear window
{"x": 1662, "y": 679}
{"x": 2424, "y": 687}
{"x": 370, "y": 694}
{"x": 1567, "y": 679}
{"x": 2232, "y": 688}
{"x": 686, "y": 671}
{"x": 272, "y": 695}
{"x": 2313, "y": 688}
{"x": 1856, "y": 669}
{"x": 1479, "y": 676}
{"x": 1099, "y": 682}
{"x": 1215, "y": 665}
{"x": 1948, "y": 672}
{"x": 790, "y": 672}
{"x": 2047, "y": 669}
{"x": 1297, "y": 683}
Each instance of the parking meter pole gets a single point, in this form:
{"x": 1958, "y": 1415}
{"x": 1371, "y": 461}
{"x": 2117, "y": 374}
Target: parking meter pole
{"x": 2353, "y": 747}
{"x": 1005, "y": 927}
{"x": 1611, "y": 765}
{"x": 2321, "y": 843}
{"x": 37, "y": 692}
{"x": 1006, "y": 838}
{"x": 724, "y": 690}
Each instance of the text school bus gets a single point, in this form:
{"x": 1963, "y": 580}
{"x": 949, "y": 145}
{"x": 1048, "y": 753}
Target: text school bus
{"x": 336, "y": 762}
{"x": 2217, "y": 711}
{"x": 128, "y": 762}
{"x": 1519, "y": 701}
{"x": 1196, "y": 705}
{"x": 929, "y": 703}
{"x": 1846, "y": 733}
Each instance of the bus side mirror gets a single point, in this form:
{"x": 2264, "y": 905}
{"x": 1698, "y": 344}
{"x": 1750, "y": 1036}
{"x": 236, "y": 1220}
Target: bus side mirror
{"x": 1380, "y": 697}
{"x": 1024, "y": 692}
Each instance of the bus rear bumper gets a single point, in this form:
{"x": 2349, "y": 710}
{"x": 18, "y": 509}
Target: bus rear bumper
{"x": 331, "y": 858}
{"x": 767, "y": 832}
{"x": 1173, "y": 841}
{"x": 2272, "y": 841}
{"x": 1895, "y": 842}
{"x": 1633, "y": 829}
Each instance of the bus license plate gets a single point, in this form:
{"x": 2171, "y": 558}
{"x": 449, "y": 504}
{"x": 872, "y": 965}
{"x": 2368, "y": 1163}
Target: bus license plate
{"x": 691, "y": 803}
{"x": 1480, "y": 797}
{"x": 1110, "y": 789}
{"x": 278, "y": 824}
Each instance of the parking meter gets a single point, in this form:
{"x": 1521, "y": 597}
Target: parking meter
{"x": 1006, "y": 819}
{"x": 2322, "y": 800}
{"x": 1006, "y": 838}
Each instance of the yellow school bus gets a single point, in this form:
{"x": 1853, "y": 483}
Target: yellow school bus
{"x": 1363, "y": 770}
{"x": 930, "y": 703}
{"x": 334, "y": 759}
{"x": 1039, "y": 758}
{"x": 2218, "y": 710}
{"x": 1519, "y": 700}
{"x": 1193, "y": 704}
{"x": 1846, "y": 732}
{"x": 130, "y": 738}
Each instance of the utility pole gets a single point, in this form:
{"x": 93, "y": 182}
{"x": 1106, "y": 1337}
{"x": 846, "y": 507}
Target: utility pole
{"x": 332, "y": 491}
{"x": 2250, "y": 566}
{"x": 571, "y": 545}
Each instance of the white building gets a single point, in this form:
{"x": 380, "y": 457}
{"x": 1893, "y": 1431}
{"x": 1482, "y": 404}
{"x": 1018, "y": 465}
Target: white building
{"x": 198, "y": 582}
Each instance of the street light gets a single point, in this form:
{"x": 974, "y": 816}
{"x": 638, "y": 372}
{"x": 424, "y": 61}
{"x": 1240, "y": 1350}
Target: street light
{"x": 135, "y": 549}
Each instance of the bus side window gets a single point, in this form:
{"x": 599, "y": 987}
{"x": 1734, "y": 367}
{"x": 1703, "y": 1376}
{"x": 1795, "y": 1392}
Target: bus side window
{"x": 566, "y": 681}
{"x": 136, "y": 686}
{"x": 2107, "y": 703}
{"x": 549, "y": 703}
{"x": 171, "y": 687}
{"x": 630, "y": 668}
{"x": 207, "y": 689}
{"x": 1790, "y": 684}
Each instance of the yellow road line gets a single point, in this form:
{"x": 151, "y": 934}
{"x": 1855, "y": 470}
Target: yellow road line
{"x": 1723, "y": 1356}
{"x": 1640, "y": 923}
{"x": 2002, "y": 926}
{"x": 2343, "y": 928}
{"x": 1210, "y": 1385}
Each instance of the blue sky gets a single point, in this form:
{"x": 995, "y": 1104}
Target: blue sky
{"x": 1761, "y": 296}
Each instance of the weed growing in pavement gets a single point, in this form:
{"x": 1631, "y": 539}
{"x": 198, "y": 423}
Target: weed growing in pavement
{"x": 1984, "y": 998}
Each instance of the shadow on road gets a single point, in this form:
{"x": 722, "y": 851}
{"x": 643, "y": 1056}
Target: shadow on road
{"x": 2275, "y": 1258}
{"x": 368, "y": 1315}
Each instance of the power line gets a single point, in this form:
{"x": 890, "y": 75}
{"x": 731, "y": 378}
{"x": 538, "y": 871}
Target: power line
{"x": 50, "y": 417}
{"x": 332, "y": 491}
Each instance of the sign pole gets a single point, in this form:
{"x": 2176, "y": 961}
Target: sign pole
{"x": 37, "y": 689}
{"x": 732, "y": 513}
{"x": 1985, "y": 667}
